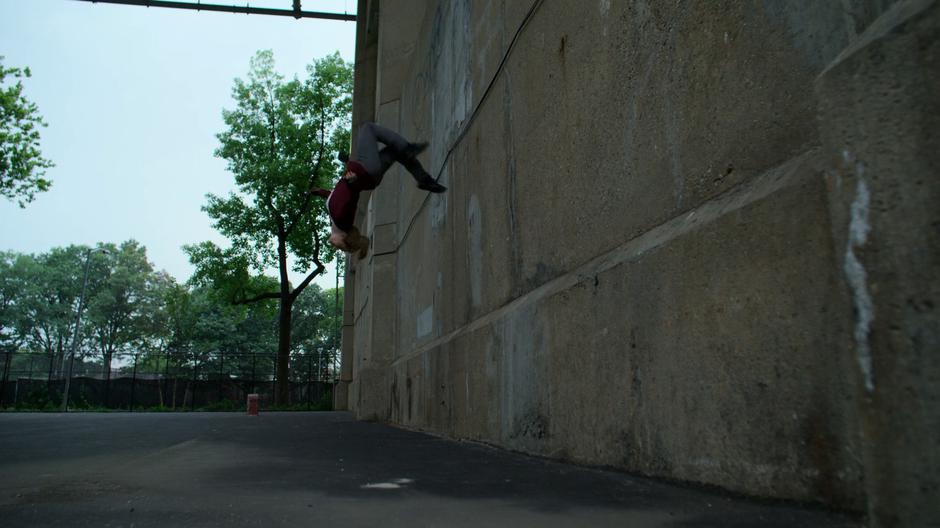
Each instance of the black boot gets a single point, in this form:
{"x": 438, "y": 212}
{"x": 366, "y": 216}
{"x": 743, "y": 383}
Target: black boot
{"x": 430, "y": 185}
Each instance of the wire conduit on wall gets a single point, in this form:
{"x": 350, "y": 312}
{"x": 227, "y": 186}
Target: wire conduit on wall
{"x": 476, "y": 109}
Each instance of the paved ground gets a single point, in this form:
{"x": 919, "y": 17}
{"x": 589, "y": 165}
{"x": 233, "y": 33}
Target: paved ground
{"x": 322, "y": 469}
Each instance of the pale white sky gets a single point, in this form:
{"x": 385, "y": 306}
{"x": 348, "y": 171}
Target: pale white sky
{"x": 133, "y": 97}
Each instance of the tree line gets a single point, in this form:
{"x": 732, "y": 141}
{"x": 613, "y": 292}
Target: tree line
{"x": 282, "y": 140}
{"x": 132, "y": 310}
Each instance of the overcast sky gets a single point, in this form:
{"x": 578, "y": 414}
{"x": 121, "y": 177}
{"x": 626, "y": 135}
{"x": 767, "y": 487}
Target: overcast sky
{"x": 133, "y": 97}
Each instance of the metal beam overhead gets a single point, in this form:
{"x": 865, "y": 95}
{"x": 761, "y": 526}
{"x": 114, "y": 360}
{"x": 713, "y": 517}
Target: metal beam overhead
{"x": 296, "y": 12}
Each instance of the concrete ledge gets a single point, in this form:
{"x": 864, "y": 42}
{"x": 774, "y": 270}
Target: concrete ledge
{"x": 890, "y": 21}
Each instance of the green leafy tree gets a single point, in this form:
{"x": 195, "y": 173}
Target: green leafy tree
{"x": 199, "y": 327}
{"x": 173, "y": 324}
{"x": 281, "y": 141}
{"x": 124, "y": 295}
{"x": 181, "y": 317}
{"x": 257, "y": 331}
{"x": 50, "y": 299}
{"x": 234, "y": 339}
{"x": 317, "y": 324}
{"x": 22, "y": 166}
{"x": 154, "y": 323}
{"x": 14, "y": 281}
{"x": 156, "y": 326}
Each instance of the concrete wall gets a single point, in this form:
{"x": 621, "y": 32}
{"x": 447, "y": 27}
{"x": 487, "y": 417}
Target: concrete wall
{"x": 694, "y": 240}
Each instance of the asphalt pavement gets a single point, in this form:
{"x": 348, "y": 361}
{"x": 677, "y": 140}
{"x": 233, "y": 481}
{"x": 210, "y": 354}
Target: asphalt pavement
{"x": 325, "y": 470}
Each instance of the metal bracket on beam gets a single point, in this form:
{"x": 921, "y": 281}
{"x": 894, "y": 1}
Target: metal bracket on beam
{"x": 296, "y": 12}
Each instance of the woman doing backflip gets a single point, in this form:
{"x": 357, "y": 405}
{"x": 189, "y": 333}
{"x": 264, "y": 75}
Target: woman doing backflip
{"x": 364, "y": 174}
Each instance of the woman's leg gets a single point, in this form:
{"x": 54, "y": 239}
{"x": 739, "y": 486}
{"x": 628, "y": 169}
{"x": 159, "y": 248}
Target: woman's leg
{"x": 397, "y": 149}
{"x": 389, "y": 155}
{"x": 367, "y": 148}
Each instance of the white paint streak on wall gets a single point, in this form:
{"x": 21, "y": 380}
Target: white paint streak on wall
{"x": 425, "y": 321}
{"x": 859, "y": 228}
{"x": 395, "y": 484}
{"x": 381, "y": 486}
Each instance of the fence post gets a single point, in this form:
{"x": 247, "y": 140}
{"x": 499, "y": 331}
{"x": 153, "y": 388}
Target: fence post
{"x": 6, "y": 374}
{"x": 309, "y": 358}
{"x": 176, "y": 378}
{"x": 49, "y": 379}
{"x": 338, "y": 321}
{"x": 107, "y": 359}
{"x": 221, "y": 372}
{"x": 253, "y": 387}
{"x": 164, "y": 397}
{"x": 192, "y": 396}
{"x": 134, "y": 381}
{"x": 319, "y": 374}
{"x": 30, "y": 384}
{"x": 275, "y": 382}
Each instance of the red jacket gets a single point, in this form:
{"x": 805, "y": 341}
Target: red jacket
{"x": 342, "y": 202}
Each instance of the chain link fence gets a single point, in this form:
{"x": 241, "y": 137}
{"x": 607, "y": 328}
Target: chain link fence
{"x": 165, "y": 382}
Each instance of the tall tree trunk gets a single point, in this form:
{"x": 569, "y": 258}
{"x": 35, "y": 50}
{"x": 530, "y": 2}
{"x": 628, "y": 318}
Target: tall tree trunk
{"x": 282, "y": 396}
{"x": 107, "y": 377}
{"x": 283, "y": 331}
{"x": 60, "y": 358}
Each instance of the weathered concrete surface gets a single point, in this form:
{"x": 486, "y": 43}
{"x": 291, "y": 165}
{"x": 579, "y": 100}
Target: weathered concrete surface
{"x": 696, "y": 287}
{"x": 641, "y": 258}
{"x": 322, "y": 469}
{"x": 364, "y": 82}
{"x": 880, "y": 115}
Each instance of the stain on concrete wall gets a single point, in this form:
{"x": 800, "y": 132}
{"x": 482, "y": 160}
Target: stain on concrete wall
{"x": 475, "y": 252}
{"x": 655, "y": 253}
{"x": 858, "y": 279}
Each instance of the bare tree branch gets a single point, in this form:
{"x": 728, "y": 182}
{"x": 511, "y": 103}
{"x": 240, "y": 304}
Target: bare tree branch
{"x": 319, "y": 269}
{"x": 261, "y": 297}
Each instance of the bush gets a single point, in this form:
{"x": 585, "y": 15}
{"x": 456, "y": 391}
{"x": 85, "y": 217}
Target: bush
{"x": 220, "y": 406}
{"x": 81, "y": 403}
{"x": 37, "y": 399}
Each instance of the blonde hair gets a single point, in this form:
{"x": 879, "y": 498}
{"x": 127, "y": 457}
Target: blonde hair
{"x": 357, "y": 243}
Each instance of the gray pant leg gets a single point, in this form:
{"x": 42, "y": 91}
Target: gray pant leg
{"x": 367, "y": 148}
{"x": 376, "y": 161}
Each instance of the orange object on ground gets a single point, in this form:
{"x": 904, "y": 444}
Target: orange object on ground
{"x": 253, "y": 403}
